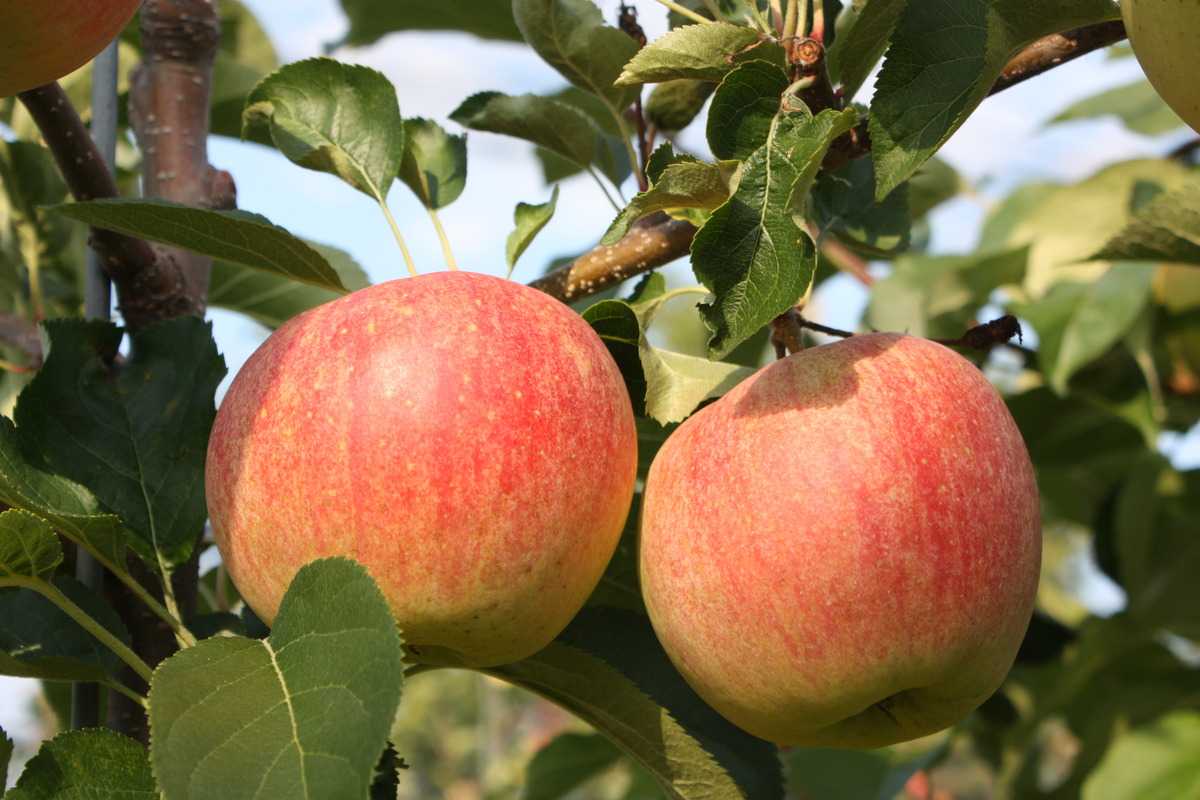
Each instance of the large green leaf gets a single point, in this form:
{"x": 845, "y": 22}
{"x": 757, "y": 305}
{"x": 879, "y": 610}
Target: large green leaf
{"x": 843, "y": 204}
{"x": 1065, "y": 226}
{"x": 1159, "y": 761}
{"x": 371, "y": 20}
{"x": 668, "y": 386}
{"x": 750, "y": 253}
{"x": 570, "y": 35}
{"x": 28, "y": 546}
{"x": 864, "y": 31}
{"x": 744, "y": 109}
{"x": 547, "y": 123}
{"x": 938, "y": 296}
{"x": 333, "y": 117}
{"x": 673, "y": 105}
{"x": 1136, "y": 105}
{"x": 944, "y": 58}
{"x": 684, "y": 184}
{"x": 272, "y": 299}
{"x": 701, "y": 52}
{"x": 1078, "y": 322}
{"x": 435, "y": 163}
{"x": 608, "y": 668}
{"x": 303, "y": 713}
{"x": 71, "y": 508}
{"x": 1165, "y": 229}
{"x": 88, "y": 765}
{"x": 39, "y": 640}
{"x": 241, "y": 238}
{"x": 568, "y": 761}
{"x": 529, "y": 219}
{"x": 136, "y": 437}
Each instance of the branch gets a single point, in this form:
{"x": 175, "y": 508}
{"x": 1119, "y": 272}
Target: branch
{"x": 654, "y": 241}
{"x": 1058, "y": 48}
{"x": 169, "y": 111}
{"x": 146, "y": 286}
{"x": 21, "y": 335}
{"x": 658, "y": 240}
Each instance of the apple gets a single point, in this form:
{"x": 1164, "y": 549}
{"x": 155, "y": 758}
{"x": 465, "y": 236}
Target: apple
{"x": 42, "y": 41}
{"x": 843, "y": 551}
{"x": 469, "y": 440}
{"x": 1165, "y": 36}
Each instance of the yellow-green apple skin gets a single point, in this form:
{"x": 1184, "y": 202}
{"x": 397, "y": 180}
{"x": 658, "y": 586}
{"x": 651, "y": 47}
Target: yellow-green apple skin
{"x": 43, "y": 40}
{"x": 1165, "y": 35}
{"x": 844, "y": 550}
{"x": 468, "y": 439}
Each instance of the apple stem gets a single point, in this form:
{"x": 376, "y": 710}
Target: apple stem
{"x": 786, "y": 334}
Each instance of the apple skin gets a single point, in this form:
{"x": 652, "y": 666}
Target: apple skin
{"x": 468, "y": 439}
{"x": 42, "y": 41}
{"x": 1165, "y": 35}
{"x": 844, "y": 550}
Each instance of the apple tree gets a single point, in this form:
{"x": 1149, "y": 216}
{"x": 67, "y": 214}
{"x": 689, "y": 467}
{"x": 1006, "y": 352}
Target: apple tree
{"x": 741, "y": 143}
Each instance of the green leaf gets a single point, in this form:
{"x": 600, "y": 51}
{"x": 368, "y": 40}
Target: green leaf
{"x": 685, "y": 184}
{"x": 933, "y": 184}
{"x": 750, "y": 253}
{"x": 303, "y": 713}
{"x": 843, "y": 204}
{"x": 1077, "y": 323}
{"x": 243, "y": 37}
{"x": 28, "y": 546}
{"x": 939, "y": 296}
{"x": 333, "y": 117}
{"x": 1158, "y": 761}
{"x": 136, "y": 438}
{"x": 668, "y": 386}
{"x": 1136, "y": 105}
{"x": 529, "y": 220}
{"x": 854, "y": 774}
{"x": 944, "y": 58}
{"x": 744, "y": 109}
{"x": 864, "y": 31}
{"x": 241, "y": 238}
{"x": 609, "y": 154}
{"x": 673, "y": 105}
{"x": 96, "y": 764}
{"x": 548, "y": 123}
{"x": 620, "y": 586}
{"x": 270, "y": 298}
{"x": 570, "y": 35}
{"x": 1166, "y": 229}
{"x": 435, "y": 163}
{"x": 676, "y": 384}
{"x": 371, "y": 20}
{"x": 699, "y": 52}
{"x": 608, "y": 668}
{"x": 70, "y": 508}
{"x": 39, "y": 640}
{"x": 567, "y": 762}
{"x": 1066, "y": 226}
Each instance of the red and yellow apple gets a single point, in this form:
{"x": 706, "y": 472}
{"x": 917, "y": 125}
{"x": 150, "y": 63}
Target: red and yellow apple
{"x": 1165, "y": 35}
{"x": 42, "y": 41}
{"x": 467, "y": 439}
{"x": 844, "y": 550}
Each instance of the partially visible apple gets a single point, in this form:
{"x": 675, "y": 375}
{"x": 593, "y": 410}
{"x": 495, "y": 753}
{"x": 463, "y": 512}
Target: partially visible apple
{"x": 468, "y": 439}
{"x": 844, "y": 550}
{"x": 1165, "y": 35}
{"x": 43, "y": 40}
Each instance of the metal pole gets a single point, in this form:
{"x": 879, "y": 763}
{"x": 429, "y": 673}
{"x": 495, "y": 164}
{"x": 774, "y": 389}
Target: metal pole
{"x": 85, "y": 697}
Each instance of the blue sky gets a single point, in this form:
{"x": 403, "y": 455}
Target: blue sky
{"x": 1004, "y": 144}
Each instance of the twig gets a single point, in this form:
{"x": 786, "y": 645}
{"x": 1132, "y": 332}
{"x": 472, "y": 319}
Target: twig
{"x": 654, "y": 241}
{"x": 659, "y": 241}
{"x": 630, "y": 25}
{"x": 1058, "y": 48}
{"x": 987, "y": 335}
{"x": 147, "y": 288}
{"x": 21, "y": 335}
